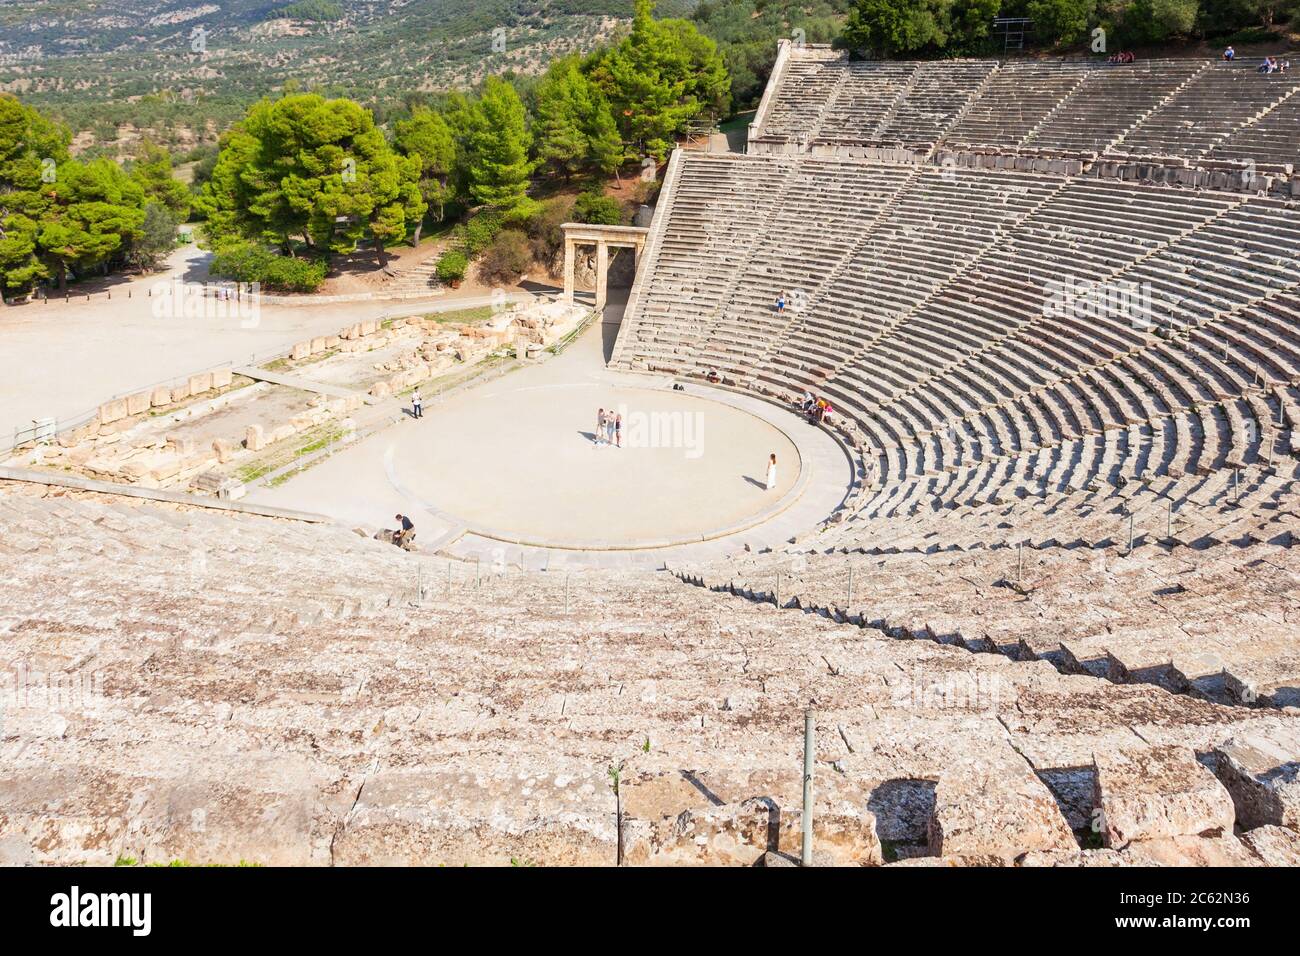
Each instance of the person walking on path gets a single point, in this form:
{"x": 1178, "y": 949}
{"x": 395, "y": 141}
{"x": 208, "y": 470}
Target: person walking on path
{"x": 771, "y": 472}
{"x": 600, "y": 426}
{"x": 618, "y": 431}
{"x": 417, "y": 404}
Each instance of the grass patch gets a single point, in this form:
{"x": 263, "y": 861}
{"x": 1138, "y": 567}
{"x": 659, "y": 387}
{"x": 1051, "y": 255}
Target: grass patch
{"x": 332, "y": 434}
{"x": 287, "y": 364}
{"x": 288, "y": 451}
{"x": 471, "y": 316}
{"x": 318, "y": 438}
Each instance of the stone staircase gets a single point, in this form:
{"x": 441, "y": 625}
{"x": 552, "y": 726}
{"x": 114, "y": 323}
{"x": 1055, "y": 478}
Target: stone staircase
{"x": 420, "y": 279}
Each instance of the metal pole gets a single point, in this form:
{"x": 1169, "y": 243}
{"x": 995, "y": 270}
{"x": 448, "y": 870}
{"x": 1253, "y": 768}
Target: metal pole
{"x": 1169, "y": 520}
{"x": 1020, "y": 562}
{"x": 806, "y": 850}
{"x": 1130, "y": 532}
{"x": 1236, "y": 485}
{"x": 776, "y": 595}
{"x": 848, "y": 601}
{"x": 478, "y": 571}
{"x": 566, "y": 594}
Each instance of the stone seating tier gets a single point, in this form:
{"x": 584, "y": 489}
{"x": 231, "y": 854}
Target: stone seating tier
{"x": 274, "y": 692}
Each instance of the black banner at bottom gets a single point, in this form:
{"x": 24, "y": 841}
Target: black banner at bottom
{"x": 335, "y": 906}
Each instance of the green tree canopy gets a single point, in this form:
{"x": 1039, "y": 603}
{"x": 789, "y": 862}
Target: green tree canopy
{"x": 903, "y": 27}
{"x": 315, "y": 170}
{"x": 428, "y": 136}
{"x": 152, "y": 169}
{"x": 497, "y": 147}
{"x": 659, "y": 78}
{"x": 573, "y": 126}
{"x": 31, "y": 147}
{"x": 88, "y": 214}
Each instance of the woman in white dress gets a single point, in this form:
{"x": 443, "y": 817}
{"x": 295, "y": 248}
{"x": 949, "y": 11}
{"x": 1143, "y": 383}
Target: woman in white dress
{"x": 771, "y": 472}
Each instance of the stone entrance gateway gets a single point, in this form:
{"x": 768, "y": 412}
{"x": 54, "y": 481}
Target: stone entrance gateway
{"x": 602, "y": 237}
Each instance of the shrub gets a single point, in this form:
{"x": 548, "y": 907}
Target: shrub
{"x": 544, "y": 231}
{"x": 506, "y": 259}
{"x": 451, "y": 266}
{"x": 1061, "y": 21}
{"x": 479, "y": 233}
{"x": 249, "y": 262}
{"x": 597, "y": 209}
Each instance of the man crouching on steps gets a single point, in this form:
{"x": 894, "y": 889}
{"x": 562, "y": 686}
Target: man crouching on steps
{"x": 405, "y": 531}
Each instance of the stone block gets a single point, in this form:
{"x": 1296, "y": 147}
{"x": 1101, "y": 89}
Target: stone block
{"x": 138, "y": 404}
{"x": 1157, "y": 792}
{"x": 104, "y": 466}
{"x": 733, "y": 819}
{"x": 381, "y": 390}
{"x": 181, "y": 392}
{"x": 222, "y": 378}
{"x": 254, "y": 438}
{"x": 160, "y": 397}
{"x": 181, "y": 446}
{"x": 739, "y": 835}
{"x": 1275, "y": 846}
{"x": 112, "y": 411}
{"x": 996, "y": 807}
{"x": 200, "y": 383}
{"x": 300, "y": 351}
{"x": 281, "y": 433}
{"x": 332, "y": 341}
{"x": 198, "y": 461}
{"x": 423, "y": 816}
{"x": 317, "y": 345}
{"x": 1263, "y": 780}
{"x": 165, "y": 468}
{"x": 225, "y": 450}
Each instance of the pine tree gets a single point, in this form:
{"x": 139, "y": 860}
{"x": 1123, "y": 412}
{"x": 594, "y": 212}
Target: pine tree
{"x": 604, "y": 144}
{"x": 498, "y": 166}
{"x": 315, "y": 170}
{"x": 659, "y": 78}
{"x": 30, "y": 147}
{"x": 428, "y": 136}
{"x": 90, "y": 212}
{"x": 563, "y": 146}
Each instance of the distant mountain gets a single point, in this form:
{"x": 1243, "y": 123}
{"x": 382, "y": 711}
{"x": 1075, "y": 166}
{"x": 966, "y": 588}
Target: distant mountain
{"x": 190, "y": 67}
